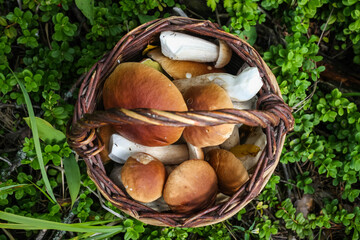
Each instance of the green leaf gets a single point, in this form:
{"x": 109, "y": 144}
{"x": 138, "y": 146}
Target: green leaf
{"x": 212, "y": 4}
{"x": 279, "y": 61}
{"x": 87, "y": 8}
{"x": 249, "y": 35}
{"x": 228, "y": 3}
{"x": 282, "y": 52}
{"x": 46, "y": 131}
{"x": 145, "y": 18}
{"x": 3, "y": 22}
{"x": 72, "y": 173}
{"x": 290, "y": 55}
{"x": 349, "y": 2}
{"x": 357, "y": 137}
{"x": 131, "y": 234}
{"x": 10, "y": 32}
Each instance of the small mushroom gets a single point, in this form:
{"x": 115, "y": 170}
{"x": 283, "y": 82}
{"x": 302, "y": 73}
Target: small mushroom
{"x": 158, "y": 205}
{"x": 143, "y": 177}
{"x": 121, "y": 149}
{"x": 182, "y": 69}
{"x": 208, "y": 97}
{"x": 191, "y": 186}
{"x": 241, "y": 87}
{"x": 180, "y": 46}
{"x": 229, "y": 170}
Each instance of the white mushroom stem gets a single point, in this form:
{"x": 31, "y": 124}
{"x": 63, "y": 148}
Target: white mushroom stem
{"x": 195, "y": 152}
{"x": 241, "y": 87}
{"x": 225, "y": 54}
{"x": 121, "y": 149}
{"x": 233, "y": 140}
{"x": 250, "y": 104}
{"x": 180, "y": 46}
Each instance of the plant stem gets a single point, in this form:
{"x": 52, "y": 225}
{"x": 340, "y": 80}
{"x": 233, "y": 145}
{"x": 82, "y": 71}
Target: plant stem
{"x": 351, "y": 94}
{"x": 327, "y": 22}
{"x": 8, "y": 234}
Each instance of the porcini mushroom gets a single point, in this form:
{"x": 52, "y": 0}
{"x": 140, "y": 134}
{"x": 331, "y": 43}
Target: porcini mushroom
{"x": 181, "y": 69}
{"x": 158, "y": 205}
{"x": 209, "y": 97}
{"x": 143, "y": 177}
{"x": 135, "y": 85}
{"x": 229, "y": 170}
{"x": 241, "y": 87}
{"x": 191, "y": 186}
{"x": 181, "y": 46}
{"x": 121, "y": 149}
{"x": 185, "y": 47}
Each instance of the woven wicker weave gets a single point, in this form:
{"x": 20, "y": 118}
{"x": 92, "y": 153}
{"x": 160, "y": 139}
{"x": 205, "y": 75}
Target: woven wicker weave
{"x": 272, "y": 114}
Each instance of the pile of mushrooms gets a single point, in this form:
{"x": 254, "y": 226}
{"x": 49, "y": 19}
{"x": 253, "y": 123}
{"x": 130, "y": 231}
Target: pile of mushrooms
{"x": 183, "y": 169}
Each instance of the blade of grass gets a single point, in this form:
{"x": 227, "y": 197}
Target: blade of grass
{"x": 21, "y": 222}
{"x": 2, "y": 189}
{"x": 91, "y": 236}
{"x": 18, "y": 226}
{"x": 35, "y": 136}
{"x": 99, "y": 222}
{"x": 8, "y": 234}
{"x": 39, "y": 188}
{"x": 72, "y": 173}
{"x": 49, "y": 134}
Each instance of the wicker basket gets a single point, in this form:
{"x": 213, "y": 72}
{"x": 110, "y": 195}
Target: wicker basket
{"x": 272, "y": 114}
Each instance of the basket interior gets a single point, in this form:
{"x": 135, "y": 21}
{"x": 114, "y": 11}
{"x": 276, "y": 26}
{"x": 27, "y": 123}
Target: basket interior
{"x": 130, "y": 48}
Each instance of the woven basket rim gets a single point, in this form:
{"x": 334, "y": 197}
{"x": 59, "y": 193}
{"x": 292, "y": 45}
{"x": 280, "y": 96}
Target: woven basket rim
{"x": 274, "y": 117}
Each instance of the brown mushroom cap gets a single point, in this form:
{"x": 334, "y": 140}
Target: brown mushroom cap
{"x": 143, "y": 177}
{"x": 105, "y": 133}
{"x": 230, "y": 171}
{"x": 135, "y": 85}
{"x": 182, "y": 69}
{"x": 191, "y": 186}
{"x": 208, "y": 97}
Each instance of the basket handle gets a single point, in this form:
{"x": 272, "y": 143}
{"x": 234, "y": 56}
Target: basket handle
{"x": 82, "y": 133}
